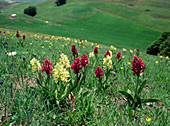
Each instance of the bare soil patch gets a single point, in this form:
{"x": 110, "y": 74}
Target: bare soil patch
{"x": 160, "y": 16}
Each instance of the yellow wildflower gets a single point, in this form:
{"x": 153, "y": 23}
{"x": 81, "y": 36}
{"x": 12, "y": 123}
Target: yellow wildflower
{"x": 167, "y": 57}
{"x": 30, "y": 43}
{"x": 131, "y": 51}
{"x": 62, "y": 45}
{"x": 97, "y": 46}
{"x": 129, "y": 63}
{"x": 107, "y": 62}
{"x": 64, "y": 61}
{"x": 42, "y": 46}
{"x": 111, "y": 47}
{"x": 124, "y": 49}
{"x": 161, "y": 56}
{"x": 148, "y": 119}
{"x": 121, "y": 68}
{"x": 60, "y": 73}
{"x": 92, "y": 44}
{"x": 35, "y": 65}
{"x": 91, "y": 54}
{"x": 156, "y": 62}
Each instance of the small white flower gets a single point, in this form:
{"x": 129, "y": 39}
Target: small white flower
{"x": 12, "y": 53}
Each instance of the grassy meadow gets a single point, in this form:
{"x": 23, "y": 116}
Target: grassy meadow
{"x": 46, "y": 80}
{"x": 122, "y": 25}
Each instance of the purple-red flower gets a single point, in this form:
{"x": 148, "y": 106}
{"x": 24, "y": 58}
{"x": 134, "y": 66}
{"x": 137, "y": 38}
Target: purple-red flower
{"x": 23, "y": 36}
{"x": 98, "y": 71}
{"x": 74, "y": 50}
{"x": 17, "y": 34}
{"x": 137, "y": 66}
{"x": 137, "y": 49}
{"x": 95, "y": 50}
{"x": 118, "y": 55}
{"x": 76, "y": 66}
{"x": 84, "y": 60}
{"x": 0, "y": 31}
{"x": 107, "y": 53}
{"x": 81, "y": 40}
{"x": 47, "y": 67}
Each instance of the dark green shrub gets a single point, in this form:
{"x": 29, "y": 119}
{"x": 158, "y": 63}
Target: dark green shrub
{"x": 60, "y": 2}
{"x": 165, "y": 47}
{"x": 31, "y": 10}
{"x": 154, "y": 48}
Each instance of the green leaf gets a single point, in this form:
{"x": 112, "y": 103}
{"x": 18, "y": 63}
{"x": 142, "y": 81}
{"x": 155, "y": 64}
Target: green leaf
{"x": 149, "y": 100}
{"x": 127, "y": 95}
{"x": 142, "y": 86}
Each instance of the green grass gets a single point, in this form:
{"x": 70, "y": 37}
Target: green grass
{"x": 108, "y": 23}
{"x": 24, "y": 105}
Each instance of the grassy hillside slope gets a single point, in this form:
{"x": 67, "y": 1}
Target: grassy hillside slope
{"x": 116, "y": 23}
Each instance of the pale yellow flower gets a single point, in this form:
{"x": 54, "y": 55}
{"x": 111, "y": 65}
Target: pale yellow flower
{"x": 167, "y": 57}
{"x": 112, "y": 47}
{"x": 124, "y": 49}
{"x": 98, "y": 46}
{"x": 161, "y": 56}
{"x": 35, "y": 65}
{"x": 121, "y": 68}
{"x": 91, "y": 54}
{"x": 156, "y": 62}
{"x": 107, "y": 62}
{"x": 64, "y": 61}
{"x": 131, "y": 51}
{"x": 42, "y": 46}
{"x": 30, "y": 43}
{"x": 60, "y": 73}
{"x": 129, "y": 63}
{"x": 148, "y": 119}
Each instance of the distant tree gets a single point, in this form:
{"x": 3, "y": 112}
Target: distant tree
{"x": 60, "y": 2}
{"x": 31, "y": 10}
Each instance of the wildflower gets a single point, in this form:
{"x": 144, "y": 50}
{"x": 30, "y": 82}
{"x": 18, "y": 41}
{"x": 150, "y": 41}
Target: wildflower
{"x": 167, "y": 57}
{"x": 156, "y": 62}
{"x": 148, "y": 119}
{"x": 23, "y": 37}
{"x": 159, "y": 85}
{"x": 5, "y": 52}
{"x": 64, "y": 61}
{"x": 91, "y": 54}
{"x": 84, "y": 60}
{"x": 24, "y": 58}
{"x": 124, "y": 49}
{"x": 98, "y": 71}
{"x": 81, "y": 40}
{"x": 47, "y": 67}
{"x": 6, "y": 42}
{"x": 129, "y": 63}
{"x": 95, "y": 50}
{"x": 108, "y": 53}
{"x": 137, "y": 66}
{"x": 1, "y": 82}
{"x": 17, "y": 35}
{"x": 137, "y": 49}
{"x": 76, "y": 66}
{"x": 111, "y": 47}
{"x": 136, "y": 116}
{"x": 74, "y": 50}
{"x": 35, "y": 65}
{"x": 107, "y": 63}
{"x": 111, "y": 82}
{"x": 30, "y": 43}
{"x": 60, "y": 73}
{"x": 27, "y": 49}
{"x": 131, "y": 51}
{"x": 114, "y": 74}
{"x": 0, "y": 31}
{"x": 12, "y": 53}
{"x": 118, "y": 55}
{"x": 42, "y": 47}
{"x": 121, "y": 68}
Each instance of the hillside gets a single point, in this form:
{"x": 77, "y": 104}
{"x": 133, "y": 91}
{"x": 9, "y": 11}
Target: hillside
{"x": 120, "y": 23}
